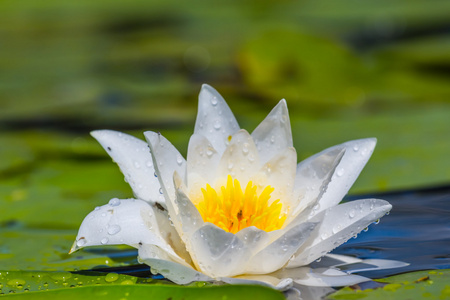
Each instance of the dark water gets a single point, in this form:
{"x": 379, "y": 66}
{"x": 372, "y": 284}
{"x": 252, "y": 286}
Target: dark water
{"x": 417, "y": 231}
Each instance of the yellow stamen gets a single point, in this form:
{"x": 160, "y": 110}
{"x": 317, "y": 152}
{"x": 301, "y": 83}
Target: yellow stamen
{"x": 233, "y": 209}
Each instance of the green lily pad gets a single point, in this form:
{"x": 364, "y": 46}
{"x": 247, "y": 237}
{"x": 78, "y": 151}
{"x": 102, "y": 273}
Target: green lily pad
{"x": 66, "y": 285}
{"x": 416, "y": 285}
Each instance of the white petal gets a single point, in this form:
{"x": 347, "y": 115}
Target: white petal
{"x": 275, "y": 255}
{"x": 187, "y": 215}
{"x": 357, "y": 153}
{"x": 133, "y": 157}
{"x": 215, "y": 120}
{"x": 332, "y": 260}
{"x": 166, "y": 160}
{"x": 337, "y": 225}
{"x": 313, "y": 176}
{"x": 254, "y": 238}
{"x": 240, "y": 159}
{"x": 131, "y": 222}
{"x": 171, "y": 270}
{"x": 218, "y": 253}
{"x": 264, "y": 280}
{"x": 273, "y": 135}
{"x": 279, "y": 172}
{"x": 320, "y": 277}
{"x": 202, "y": 161}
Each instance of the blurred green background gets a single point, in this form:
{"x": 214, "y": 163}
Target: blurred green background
{"x": 348, "y": 69}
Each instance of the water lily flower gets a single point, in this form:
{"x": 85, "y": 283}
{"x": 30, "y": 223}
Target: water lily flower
{"x": 239, "y": 209}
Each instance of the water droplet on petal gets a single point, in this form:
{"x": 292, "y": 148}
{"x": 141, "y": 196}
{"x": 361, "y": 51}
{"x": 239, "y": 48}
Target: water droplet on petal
{"x": 179, "y": 160}
{"x": 217, "y": 125}
{"x": 340, "y": 172}
{"x": 355, "y": 148}
{"x": 113, "y": 229}
{"x": 137, "y": 165}
{"x": 377, "y": 221}
{"x": 114, "y": 202}
{"x": 81, "y": 242}
{"x": 154, "y": 174}
{"x": 351, "y": 213}
{"x": 149, "y": 164}
{"x": 214, "y": 101}
{"x": 104, "y": 241}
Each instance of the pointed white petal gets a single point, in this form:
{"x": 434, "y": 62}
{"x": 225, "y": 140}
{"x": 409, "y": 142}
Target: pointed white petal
{"x": 215, "y": 120}
{"x": 357, "y": 153}
{"x": 279, "y": 172}
{"x": 131, "y": 222}
{"x": 133, "y": 157}
{"x": 178, "y": 273}
{"x": 202, "y": 161}
{"x": 313, "y": 176}
{"x": 166, "y": 160}
{"x": 275, "y": 255}
{"x": 240, "y": 159}
{"x": 218, "y": 253}
{"x": 187, "y": 215}
{"x": 337, "y": 225}
{"x": 320, "y": 277}
{"x": 273, "y": 134}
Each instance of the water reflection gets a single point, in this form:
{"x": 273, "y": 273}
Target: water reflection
{"x": 417, "y": 231}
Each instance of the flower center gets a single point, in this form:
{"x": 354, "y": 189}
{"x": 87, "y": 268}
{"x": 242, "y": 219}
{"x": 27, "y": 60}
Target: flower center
{"x": 233, "y": 209}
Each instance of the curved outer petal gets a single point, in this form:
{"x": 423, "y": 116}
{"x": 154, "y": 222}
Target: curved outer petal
{"x": 254, "y": 238}
{"x": 240, "y": 159}
{"x": 357, "y": 153}
{"x": 178, "y": 273}
{"x": 166, "y": 160}
{"x": 215, "y": 121}
{"x": 265, "y": 280}
{"x": 202, "y": 162}
{"x": 134, "y": 159}
{"x": 275, "y": 255}
{"x": 129, "y": 221}
{"x": 219, "y": 253}
{"x": 337, "y": 225}
{"x": 273, "y": 135}
{"x": 313, "y": 176}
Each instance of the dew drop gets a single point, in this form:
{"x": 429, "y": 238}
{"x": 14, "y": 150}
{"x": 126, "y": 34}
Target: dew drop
{"x": 179, "y": 160}
{"x": 160, "y": 191}
{"x": 113, "y": 229}
{"x": 366, "y": 229}
{"x": 154, "y": 174}
{"x": 377, "y": 222}
{"x": 209, "y": 152}
{"x": 214, "y": 101}
{"x": 137, "y": 165}
{"x": 114, "y": 202}
{"x": 97, "y": 208}
{"x": 217, "y": 125}
{"x": 81, "y": 242}
{"x": 149, "y": 164}
{"x": 104, "y": 241}
{"x": 111, "y": 277}
{"x": 351, "y": 213}
{"x": 324, "y": 236}
{"x": 340, "y": 172}
{"x": 355, "y": 148}
{"x": 272, "y": 139}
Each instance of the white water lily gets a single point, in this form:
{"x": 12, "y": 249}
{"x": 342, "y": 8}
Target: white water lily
{"x": 239, "y": 209}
